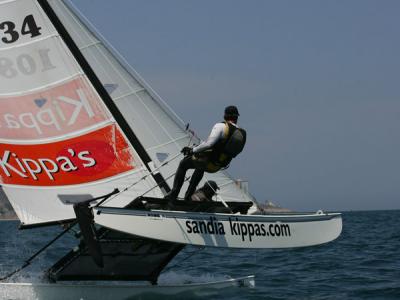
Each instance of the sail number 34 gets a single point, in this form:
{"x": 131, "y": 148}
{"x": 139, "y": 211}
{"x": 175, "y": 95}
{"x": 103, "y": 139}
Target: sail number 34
{"x": 10, "y": 33}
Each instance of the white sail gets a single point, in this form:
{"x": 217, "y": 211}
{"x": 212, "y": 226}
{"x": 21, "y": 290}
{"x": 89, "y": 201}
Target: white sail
{"x": 59, "y": 142}
{"x": 158, "y": 128}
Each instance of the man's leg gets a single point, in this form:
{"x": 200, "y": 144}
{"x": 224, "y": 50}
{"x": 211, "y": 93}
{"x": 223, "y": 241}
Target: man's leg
{"x": 194, "y": 181}
{"x": 185, "y": 164}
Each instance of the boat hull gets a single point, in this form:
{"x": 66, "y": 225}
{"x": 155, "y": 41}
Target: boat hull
{"x": 224, "y": 230}
{"x": 113, "y": 291}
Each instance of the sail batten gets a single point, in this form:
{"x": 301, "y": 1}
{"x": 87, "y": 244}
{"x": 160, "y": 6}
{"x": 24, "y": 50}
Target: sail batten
{"x": 94, "y": 44}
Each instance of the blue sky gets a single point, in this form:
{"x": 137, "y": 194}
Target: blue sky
{"x": 316, "y": 82}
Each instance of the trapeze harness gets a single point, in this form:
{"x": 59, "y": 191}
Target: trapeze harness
{"x": 221, "y": 154}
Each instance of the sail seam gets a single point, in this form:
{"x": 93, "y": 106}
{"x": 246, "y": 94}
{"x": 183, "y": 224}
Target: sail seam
{"x": 167, "y": 143}
{"x": 128, "y": 94}
{"x": 53, "y": 35}
{"x": 89, "y": 45}
{"x": 7, "y": 1}
{"x": 43, "y": 87}
{"x": 76, "y": 133}
{"x": 75, "y": 19}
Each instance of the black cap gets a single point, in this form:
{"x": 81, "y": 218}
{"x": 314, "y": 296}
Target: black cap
{"x": 231, "y": 111}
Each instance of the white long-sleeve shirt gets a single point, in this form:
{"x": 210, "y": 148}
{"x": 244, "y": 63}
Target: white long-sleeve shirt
{"x": 217, "y": 134}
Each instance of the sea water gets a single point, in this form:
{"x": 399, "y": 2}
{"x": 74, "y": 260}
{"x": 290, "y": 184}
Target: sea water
{"x": 363, "y": 263}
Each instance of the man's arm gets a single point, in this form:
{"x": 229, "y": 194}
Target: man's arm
{"x": 217, "y": 133}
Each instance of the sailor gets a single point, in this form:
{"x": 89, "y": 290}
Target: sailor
{"x": 205, "y": 193}
{"x": 225, "y": 142}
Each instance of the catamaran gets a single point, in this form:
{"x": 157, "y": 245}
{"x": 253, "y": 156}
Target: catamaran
{"x": 84, "y": 141}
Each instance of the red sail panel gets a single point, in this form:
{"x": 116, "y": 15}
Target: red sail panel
{"x": 52, "y": 112}
{"x": 90, "y": 157}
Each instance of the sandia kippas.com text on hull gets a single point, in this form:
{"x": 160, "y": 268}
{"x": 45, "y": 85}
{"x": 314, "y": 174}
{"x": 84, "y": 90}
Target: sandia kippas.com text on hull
{"x": 237, "y": 228}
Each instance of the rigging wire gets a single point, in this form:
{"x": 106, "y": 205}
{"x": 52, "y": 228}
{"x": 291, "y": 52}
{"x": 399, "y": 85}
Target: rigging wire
{"x": 149, "y": 190}
{"x": 29, "y": 260}
{"x": 218, "y": 196}
{"x": 141, "y": 179}
{"x": 192, "y": 134}
{"x": 186, "y": 179}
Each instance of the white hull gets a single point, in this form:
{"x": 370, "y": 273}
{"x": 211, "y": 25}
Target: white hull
{"x": 110, "y": 291}
{"x": 224, "y": 230}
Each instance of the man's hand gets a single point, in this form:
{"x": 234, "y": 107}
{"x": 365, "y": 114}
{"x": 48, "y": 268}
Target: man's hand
{"x": 187, "y": 151}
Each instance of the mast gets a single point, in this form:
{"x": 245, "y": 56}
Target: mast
{"x": 102, "y": 92}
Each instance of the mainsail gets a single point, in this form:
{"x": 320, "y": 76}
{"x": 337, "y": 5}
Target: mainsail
{"x": 59, "y": 138}
{"x": 76, "y": 120}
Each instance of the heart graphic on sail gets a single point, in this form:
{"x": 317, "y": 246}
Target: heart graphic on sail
{"x": 40, "y": 102}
